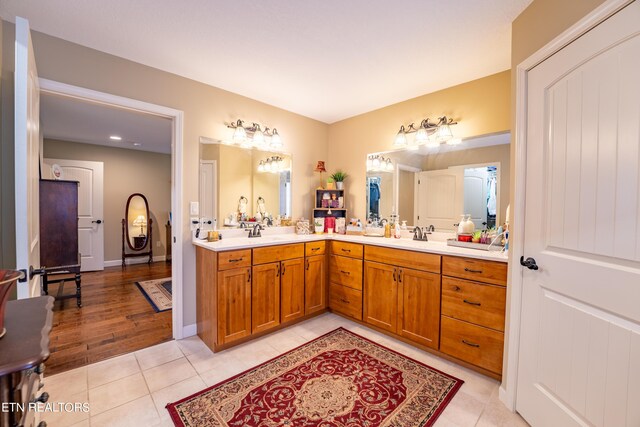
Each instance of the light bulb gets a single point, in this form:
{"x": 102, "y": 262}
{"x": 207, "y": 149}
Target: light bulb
{"x": 274, "y": 165}
{"x": 401, "y": 138}
{"x": 258, "y": 137}
{"x": 421, "y": 136}
{"x": 389, "y": 165}
{"x": 443, "y": 133}
{"x": 239, "y": 134}
{"x": 261, "y": 166}
{"x": 376, "y": 162}
{"x": 276, "y": 142}
{"x": 369, "y": 163}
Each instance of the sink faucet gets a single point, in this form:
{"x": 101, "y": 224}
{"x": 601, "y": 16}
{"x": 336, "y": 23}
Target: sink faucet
{"x": 417, "y": 233}
{"x": 431, "y": 228}
{"x": 256, "y": 231}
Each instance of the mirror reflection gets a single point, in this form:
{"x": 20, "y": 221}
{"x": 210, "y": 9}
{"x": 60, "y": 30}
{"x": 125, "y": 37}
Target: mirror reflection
{"x": 238, "y": 185}
{"x": 437, "y": 186}
{"x": 137, "y": 211}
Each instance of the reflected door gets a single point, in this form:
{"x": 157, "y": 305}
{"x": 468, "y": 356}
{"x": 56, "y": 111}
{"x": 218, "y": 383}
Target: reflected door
{"x": 440, "y": 198}
{"x": 475, "y": 196}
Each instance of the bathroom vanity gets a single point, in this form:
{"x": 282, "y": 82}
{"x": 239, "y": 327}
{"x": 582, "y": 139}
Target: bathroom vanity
{"x": 446, "y": 300}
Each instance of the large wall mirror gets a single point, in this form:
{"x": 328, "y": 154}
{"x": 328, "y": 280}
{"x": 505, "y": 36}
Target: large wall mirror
{"x": 236, "y": 180}
{"x": 435, "y": 186}
{"x": 136, "y": 229}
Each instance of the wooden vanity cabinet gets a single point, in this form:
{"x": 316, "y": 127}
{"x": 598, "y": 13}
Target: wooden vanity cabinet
{"x": 315, "y": 278}
{"x": 345, "y": 278}
{"x": 473, "y": 311}
{"x": 292, "y": 290}
{"x": 234, "y": 304}
{"x": 402, "y": 300}
{"x": 265, "y": 297}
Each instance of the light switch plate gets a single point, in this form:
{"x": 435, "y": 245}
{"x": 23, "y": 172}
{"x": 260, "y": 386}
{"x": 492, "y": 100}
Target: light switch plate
{"x": 194, "y": 208}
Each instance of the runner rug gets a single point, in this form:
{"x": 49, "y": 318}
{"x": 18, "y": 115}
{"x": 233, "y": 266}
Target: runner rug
{"x": 157, "y": 292}
{"x": 339, "y": 379}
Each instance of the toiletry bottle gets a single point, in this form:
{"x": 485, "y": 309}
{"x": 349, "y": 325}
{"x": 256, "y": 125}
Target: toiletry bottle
{"x": 387, "y": 230}
{"x": 396, "y": 233}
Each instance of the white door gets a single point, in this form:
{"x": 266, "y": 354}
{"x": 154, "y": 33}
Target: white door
{"x": 579, "y": 358}
{"x": 90, "y": 175}
{"x": 27, "y": 159}
{"x": 440, "y": 198}
{"x": 207, "y": 190}
{"x": 475, "y": 195}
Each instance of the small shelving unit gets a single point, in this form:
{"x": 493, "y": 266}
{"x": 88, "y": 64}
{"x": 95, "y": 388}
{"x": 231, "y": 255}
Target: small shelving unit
{"x": 320, "y": 210}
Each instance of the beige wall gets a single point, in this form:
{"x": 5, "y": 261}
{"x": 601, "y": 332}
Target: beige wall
{"x": 406, "y": 205}
{"x": 125, "y": 172}
{"x": 205, "y": 108}
{"x": 481, "y": 107}
{"x": 495, "y": 153}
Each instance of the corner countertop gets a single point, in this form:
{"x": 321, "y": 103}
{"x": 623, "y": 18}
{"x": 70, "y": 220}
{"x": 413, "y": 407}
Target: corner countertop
{"x": 440, "y": 248}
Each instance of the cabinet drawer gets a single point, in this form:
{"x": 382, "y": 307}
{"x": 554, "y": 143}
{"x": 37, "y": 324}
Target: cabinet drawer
{"x": 346, "y": 271}
{"x": 473, "y": 302}
{"x": 234, "y": 259}
{"x": 352, "y": 250}
{"x": 475, "y": 269}
{"x": 277, "y": 253}
{"x": 345, "y": 300}
{"x": 314, "y": 248}
{"x": 402, "y": 258}
{"x": 474, "y": 344}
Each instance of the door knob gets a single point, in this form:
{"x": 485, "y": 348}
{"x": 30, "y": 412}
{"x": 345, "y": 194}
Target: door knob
{"x": 99, "y": 221}
{"x": 530, "y": 263}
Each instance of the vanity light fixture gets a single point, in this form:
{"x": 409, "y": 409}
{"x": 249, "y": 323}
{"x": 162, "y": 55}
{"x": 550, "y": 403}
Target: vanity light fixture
{"x": 427, "y": 133}
{"x": 379, "y": 163}
{"x": 274, "y": 164}
{"x": 254, "y": 135}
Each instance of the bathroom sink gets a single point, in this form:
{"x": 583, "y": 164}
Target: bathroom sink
{"x": 374, "y": 231}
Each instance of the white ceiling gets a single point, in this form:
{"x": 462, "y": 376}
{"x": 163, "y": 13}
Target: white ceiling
{"x": 70, "y": 119}
{"x": 325, "y": 59}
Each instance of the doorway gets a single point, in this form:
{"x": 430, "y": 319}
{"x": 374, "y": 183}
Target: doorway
{"x": 172, "y": 318}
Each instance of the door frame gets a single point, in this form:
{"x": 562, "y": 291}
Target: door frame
{"x": 507, "y": 391}
{"x": 177, "y": 117}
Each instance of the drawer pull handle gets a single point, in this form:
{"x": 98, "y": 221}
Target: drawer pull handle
{"x": 456, "y": 288}
{"x": 471, "y": 344}
{"x": 236, "y": 260}
{"x": 315, "y": 249}
{"x": 348, "y": 273}
{"x": 472, "y": 302}
{"x": 472, "y": 271}
{"x": 307, "y": 264}
{"x": 248, "y": 275}
{"x": 346, "y": 250}
{"x": 345, "y": 301}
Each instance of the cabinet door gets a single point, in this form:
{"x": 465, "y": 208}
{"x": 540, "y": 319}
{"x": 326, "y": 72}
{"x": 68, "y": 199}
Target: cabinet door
{"x": 265, "y": 297}
{"x": 381, "y": 295}
{"x": 419, "y": 306}
{"x": 291, "y": 289}
{"x": 234, "y": 305}
{"x": 315, "y": 282}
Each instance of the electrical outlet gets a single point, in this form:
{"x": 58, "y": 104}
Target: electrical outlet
{"x": 194, "y": 223}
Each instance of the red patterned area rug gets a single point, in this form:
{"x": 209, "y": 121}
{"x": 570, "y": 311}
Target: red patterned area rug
{"x": 340, "y": 379}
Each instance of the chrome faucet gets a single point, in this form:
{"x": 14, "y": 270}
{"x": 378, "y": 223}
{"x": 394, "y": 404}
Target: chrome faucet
{"x": 431, "y": 228}
{"x": 256, "y": 231}
{"x": 417, "y": 233}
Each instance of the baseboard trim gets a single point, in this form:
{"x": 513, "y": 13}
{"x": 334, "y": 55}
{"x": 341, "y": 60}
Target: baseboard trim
{"x": 131, "y": 261}
{"x": 189, "y": 330}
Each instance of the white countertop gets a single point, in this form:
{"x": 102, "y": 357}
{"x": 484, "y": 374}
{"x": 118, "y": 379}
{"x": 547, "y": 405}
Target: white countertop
{"x": 441, "y": 248}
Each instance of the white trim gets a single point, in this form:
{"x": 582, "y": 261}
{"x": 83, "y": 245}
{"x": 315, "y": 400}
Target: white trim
{"x": 507, "y": 392}
{"x": 131, "y": 261}
{"x": 49, "y": 86}
{"x": 189, "y": 330}
{"x": 396, "y": 186}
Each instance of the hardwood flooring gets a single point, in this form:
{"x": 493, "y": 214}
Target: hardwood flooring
{"x": 115, "y": 318}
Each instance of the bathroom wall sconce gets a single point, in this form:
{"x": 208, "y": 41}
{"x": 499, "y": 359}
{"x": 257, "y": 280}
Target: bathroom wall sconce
{"x": 273, "y": 164}
{"x": 427, "y": 133}
{"x": 254, "y": 136}
{"x": 379, "y": 163}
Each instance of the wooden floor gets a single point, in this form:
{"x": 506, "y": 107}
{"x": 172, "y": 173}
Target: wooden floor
{"x": 115, "y": 317}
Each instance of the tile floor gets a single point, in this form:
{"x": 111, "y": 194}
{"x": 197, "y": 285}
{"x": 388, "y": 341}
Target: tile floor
{"x": 132, "y": 390}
